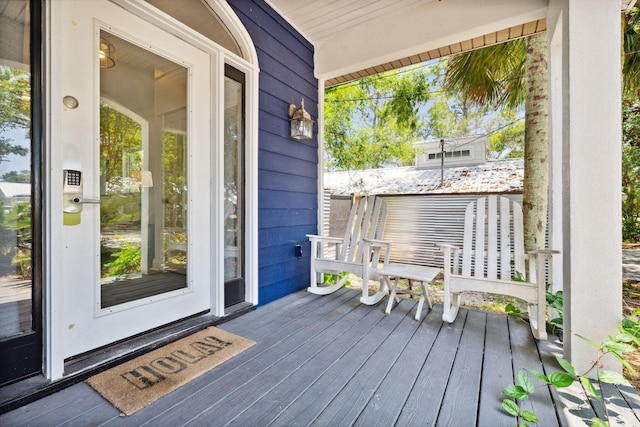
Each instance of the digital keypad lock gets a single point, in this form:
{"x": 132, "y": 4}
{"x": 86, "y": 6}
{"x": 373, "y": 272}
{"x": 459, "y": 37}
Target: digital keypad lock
{"x": 72, "y": 190}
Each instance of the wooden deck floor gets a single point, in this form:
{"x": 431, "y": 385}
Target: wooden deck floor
{"x": 328, "y": 361}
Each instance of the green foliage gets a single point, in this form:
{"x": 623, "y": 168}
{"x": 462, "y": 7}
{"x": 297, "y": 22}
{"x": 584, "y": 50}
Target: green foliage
{"x": 631, "y": 168}
{"x": 125, "y": 260}
{"x": 625, "y": 341}
{"x": 18, "y": 221}
{"x": 22, "y": 261}
{"x": 120, "y": 135}
{"x": 23, "y": 176}
{"x": 555, "y": 301}
{"x": 15, "y": 109}
{"x": 494, "y": 75}
{"x": 507, "y": 140}
{"x": 329, "y": 279}
{"x": 631, "y": 46}
{"x": 373, "y": 122}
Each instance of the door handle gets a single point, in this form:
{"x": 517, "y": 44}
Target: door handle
{"x": 83, "y": 200}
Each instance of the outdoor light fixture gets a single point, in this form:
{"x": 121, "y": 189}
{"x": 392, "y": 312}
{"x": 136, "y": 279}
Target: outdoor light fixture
{"x": 301, "y": 123}
{"x": 106, "y": 54}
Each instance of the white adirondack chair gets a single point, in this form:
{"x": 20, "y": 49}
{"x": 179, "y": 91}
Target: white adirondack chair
{"x": 358, "y": 252}
{"x": 492, "y": 258}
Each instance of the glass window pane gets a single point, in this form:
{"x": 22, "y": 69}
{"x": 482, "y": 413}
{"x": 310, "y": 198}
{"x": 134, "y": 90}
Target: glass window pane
{"x": 143, "y": 172}
{"x": 233, "y": 182}
{"x": 15, "y": 170}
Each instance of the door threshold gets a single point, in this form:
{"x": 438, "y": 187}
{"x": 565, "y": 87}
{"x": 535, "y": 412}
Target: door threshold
{"x": 80, "y": 368}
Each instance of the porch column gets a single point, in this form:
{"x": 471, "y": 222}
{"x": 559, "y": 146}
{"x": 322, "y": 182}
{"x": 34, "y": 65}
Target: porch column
{"x": 585, "y": 59}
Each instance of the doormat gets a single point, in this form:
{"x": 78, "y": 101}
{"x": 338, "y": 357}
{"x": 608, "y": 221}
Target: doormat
{"x": 141, "y": 381}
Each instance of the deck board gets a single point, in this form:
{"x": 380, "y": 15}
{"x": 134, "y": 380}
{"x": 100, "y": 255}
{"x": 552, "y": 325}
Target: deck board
{"x": 423, "y": 403}
{"x": 526, "y": 356}
{"x": 497, "y": 373}
{"x": 380, "y": 349}
{"x": 463, "y": 392}
{"x": 385, "y": 406}
{"x": 329, "y": 360}
{"x": 310, "y": 360}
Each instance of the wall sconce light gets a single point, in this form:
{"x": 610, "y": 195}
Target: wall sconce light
{"x": 301, "y": 123}
{"x": 106, "y": 54}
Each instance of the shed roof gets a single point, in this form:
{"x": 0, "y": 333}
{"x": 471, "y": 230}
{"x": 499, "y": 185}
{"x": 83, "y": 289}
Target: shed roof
{"x": 13, "y": 189}
{"x": 504, "y": 176}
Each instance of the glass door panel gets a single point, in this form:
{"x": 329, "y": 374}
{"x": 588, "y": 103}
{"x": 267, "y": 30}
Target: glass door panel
{"x": 20, "y": 209}
{"x": 143, "y": 173}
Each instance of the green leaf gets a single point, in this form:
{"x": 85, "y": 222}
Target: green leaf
{"x": 624, "y": 362}
{"x": 611, "y": 377}
{"x": 560, "y": 379}
{"x": 511, "y": 407}
{"x": 525, "y": 382}
{"x": 586, "y": 382}
{"x": 542, "y": 377}
{"x": 567, "y": 366}
{"x": 529, "y": 416}
{"x": 593, "y": 344}
{"x": 512, "y": 309}
{"x": 597, "y": 422}
{"x": 516, "y": 392}
{"x": 623, "y": 337}
{"x": 618, "y": 346}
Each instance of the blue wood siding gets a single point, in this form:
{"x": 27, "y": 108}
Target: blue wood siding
{"x": 287, "y": 169}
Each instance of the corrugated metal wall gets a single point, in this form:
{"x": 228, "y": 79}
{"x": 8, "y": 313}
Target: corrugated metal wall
{"x": 417, "y": 223}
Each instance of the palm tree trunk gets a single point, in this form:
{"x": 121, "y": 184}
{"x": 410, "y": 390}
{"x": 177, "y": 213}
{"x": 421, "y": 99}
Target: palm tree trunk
{"x": 536, "y": 142}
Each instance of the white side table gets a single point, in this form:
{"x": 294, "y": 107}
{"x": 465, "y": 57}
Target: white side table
{"x": 412, "y": 272}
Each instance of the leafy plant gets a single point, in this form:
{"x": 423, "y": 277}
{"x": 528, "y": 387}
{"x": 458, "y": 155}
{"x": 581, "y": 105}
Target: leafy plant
{"x": 22, "y": 261}
{"x": 616, "y": 345}
{"x": 126, "y": 260}
{"x": 556, "y": 301}
{"x": 328, "y": 279}
{"x": 553, "y": 300}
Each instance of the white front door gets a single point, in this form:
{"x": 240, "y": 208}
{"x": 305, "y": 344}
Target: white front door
{"x": 135, "y": 143}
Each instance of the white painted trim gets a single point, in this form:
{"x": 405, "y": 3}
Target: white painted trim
{"x": 217, "y": 184}
{"x": 251, "y": 187}
{"x": 321, "y": 158}
{"x": 234, "y": 25}
{"x": 52, "y": 222}
{"x": 554, "y": 55}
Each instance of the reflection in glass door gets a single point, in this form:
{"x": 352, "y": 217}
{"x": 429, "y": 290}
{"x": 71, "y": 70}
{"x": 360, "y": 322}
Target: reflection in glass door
{"x": 143, "y": 173}
{"x": 20, "y": 230}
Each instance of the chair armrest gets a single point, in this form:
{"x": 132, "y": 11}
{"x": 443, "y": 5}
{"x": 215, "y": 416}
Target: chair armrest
{"x": 326, "y": 239}
{"x": 378, "y": 243}
{"x": 544, "y": 252}
{"x": 451, "y": 259}
{"x": 444, "y": 246}
{"x": 376, "y": 246}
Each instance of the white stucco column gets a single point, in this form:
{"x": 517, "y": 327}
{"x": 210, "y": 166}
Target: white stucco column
{"x": 587, "y": 134}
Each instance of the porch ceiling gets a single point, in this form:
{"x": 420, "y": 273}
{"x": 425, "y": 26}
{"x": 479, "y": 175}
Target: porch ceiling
{"x": 335, "y": 26}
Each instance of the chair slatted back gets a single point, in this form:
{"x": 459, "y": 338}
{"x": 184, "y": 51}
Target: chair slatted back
{"x": 493, "y": 245}
{"x": 366, "y": 221}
